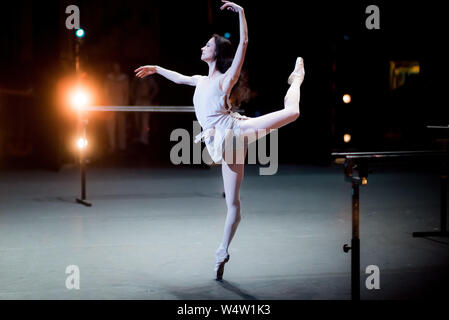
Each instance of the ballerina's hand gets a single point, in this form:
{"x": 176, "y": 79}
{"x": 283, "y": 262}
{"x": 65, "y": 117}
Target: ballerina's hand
{"x": 144, "y": 71}
{"x": 231, "y": 6}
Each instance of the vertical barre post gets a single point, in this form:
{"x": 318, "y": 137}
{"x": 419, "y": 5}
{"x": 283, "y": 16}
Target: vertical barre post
{"x": 83, "y": 164}
{"x": 355, "y": 244}
{"x": 83, "y": 177}
{"x": 443, "y": 200}
{"x": 84, "y": 122}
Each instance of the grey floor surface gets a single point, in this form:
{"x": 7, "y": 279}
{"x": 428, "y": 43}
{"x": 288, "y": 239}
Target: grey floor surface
{"x": 152, "y": 234}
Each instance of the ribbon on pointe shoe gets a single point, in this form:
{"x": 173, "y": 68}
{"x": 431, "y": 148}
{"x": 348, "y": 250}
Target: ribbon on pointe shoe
{"x": 294, "y": 75}
{"x": 220, "y": 256}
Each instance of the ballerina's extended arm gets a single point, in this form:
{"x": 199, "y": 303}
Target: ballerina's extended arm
{"x": 176, "y": 77}
{"x": 233, "y": 73}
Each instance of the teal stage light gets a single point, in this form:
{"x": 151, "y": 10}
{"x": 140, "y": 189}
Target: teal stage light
{"x": 80, "y": 33}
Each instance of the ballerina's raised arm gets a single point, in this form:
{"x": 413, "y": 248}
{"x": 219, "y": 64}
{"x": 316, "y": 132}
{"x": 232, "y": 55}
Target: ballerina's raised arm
{"x": 233, "y": 73}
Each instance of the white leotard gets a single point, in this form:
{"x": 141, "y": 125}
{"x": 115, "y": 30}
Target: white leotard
{"x": 214, "y": 114}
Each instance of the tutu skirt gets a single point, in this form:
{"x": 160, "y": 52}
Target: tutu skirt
{"x": 219, "y": 139}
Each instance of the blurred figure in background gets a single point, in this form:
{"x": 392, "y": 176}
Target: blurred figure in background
{"x": 145, "y": 93}
{"x": 117, "y": 94}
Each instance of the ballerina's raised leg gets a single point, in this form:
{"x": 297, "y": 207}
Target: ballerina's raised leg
{"x": 278, "y": 119}
{"x": 233, "y": 173}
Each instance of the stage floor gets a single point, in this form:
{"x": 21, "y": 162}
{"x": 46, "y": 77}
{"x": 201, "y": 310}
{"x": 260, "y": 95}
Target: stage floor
{"x": 152, "y": 234}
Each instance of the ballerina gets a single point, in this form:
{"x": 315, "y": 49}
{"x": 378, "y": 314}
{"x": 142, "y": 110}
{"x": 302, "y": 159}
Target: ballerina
{"x": 213, "y": 111}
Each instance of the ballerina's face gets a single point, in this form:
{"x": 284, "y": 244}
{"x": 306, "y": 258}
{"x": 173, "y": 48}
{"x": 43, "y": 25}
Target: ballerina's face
{"x": 208, "y": 51}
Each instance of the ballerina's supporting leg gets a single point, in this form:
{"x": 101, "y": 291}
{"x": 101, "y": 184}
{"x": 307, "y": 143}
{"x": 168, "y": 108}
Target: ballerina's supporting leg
{"x": 232, "y": 180}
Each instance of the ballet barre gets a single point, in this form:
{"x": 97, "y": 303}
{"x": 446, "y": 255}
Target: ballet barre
{"x": 438, "y": 127}
{"x": 174, "y": 109}
{"x": 356, "y": 172}
{"x": 141, "y": 109}
{"x": 83, "y": 120}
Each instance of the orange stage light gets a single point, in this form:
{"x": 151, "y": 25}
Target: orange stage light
{"x": 82, "y": 143}
{"x": 80, "y": 98}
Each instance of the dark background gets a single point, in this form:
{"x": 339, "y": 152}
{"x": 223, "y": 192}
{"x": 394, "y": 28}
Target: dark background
{"x": 37, "y": 52}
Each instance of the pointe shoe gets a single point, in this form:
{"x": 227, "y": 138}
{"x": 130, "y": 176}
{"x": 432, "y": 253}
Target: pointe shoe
{"x": 219, "y": 267}
{"x": 298, "y": 72}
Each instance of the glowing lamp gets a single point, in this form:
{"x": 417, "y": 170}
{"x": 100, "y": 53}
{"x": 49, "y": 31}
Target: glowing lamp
{"x": 347, "y": 98}
{"x": 82, "y": 143}
{"x": 347, "y": 138}
{"x": 79, "y": 98}
{"x": 80, "y": 33}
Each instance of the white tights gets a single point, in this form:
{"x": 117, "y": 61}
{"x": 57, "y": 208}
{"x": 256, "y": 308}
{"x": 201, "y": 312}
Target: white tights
{"x": 233, "y": 173}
